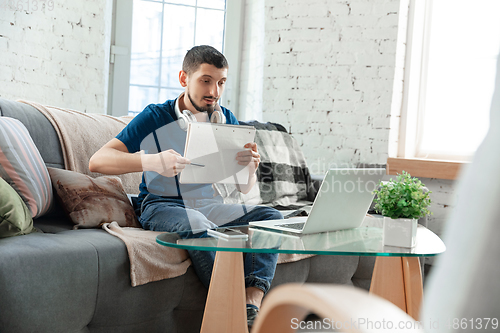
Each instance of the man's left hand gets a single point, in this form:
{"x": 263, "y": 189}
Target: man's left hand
{"x": 249, "y": 157}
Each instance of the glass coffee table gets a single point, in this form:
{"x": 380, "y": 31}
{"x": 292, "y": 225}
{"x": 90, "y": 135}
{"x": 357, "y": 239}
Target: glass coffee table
{"x": 396, "y": 276}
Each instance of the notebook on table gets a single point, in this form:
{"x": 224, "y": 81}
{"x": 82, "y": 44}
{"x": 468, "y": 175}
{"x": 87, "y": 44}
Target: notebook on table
{"x": 342, "y": 202}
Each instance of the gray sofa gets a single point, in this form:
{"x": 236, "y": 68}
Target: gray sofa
{"x": 65, "y": 280}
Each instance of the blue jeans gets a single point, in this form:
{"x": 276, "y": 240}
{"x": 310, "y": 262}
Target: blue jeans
{"x": 191, "y": 218}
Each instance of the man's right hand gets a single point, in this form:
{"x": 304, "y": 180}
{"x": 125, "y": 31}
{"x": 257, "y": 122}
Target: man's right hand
{"x": 168, "y": 163}
{"x": 114, "y": 159}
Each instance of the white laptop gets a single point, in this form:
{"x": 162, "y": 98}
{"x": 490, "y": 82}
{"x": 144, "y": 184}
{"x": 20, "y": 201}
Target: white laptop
{"x": 342, "y": 201}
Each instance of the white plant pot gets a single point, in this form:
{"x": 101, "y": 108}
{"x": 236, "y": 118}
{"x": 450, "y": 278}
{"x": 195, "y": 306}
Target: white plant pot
{"x": 400, "y": 232}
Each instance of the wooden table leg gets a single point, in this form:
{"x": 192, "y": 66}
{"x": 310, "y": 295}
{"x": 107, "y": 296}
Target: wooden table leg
{"x": 387, "y": 280}
{"x": 225, "y": 309}
{"x": 399, "y": 280}
{"x": 413, "y": 285}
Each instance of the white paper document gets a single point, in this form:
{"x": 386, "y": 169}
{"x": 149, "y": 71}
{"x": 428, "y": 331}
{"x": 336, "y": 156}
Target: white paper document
{"x": 215, "y": 146}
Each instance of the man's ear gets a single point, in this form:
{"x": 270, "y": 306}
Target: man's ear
{"x": 183, "y": 77}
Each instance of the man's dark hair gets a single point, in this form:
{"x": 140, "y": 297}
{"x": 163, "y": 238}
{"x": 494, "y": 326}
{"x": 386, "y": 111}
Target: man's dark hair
{"x": 203, "y": 54}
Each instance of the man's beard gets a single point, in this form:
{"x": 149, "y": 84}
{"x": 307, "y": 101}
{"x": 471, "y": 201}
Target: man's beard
{"x": 208, "y": 108}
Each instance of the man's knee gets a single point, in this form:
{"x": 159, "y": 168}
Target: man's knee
{"x": 172, "y": 219}
{"x": 269, "y": 213}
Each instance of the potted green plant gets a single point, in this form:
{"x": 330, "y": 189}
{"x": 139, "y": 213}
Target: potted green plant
{"x": 402, "y": 202}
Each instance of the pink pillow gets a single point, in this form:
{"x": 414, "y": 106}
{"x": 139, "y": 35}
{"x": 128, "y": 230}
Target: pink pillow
{"x": 22, "y": 167}
{"x": 90, "y": 202}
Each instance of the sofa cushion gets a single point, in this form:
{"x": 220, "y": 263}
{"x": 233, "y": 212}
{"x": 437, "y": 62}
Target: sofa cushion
{"x": 89, "y": 202}
{"x": 48, "y": 283}
{"x": 15, "y": 217}
{"x": 23, "y": 168}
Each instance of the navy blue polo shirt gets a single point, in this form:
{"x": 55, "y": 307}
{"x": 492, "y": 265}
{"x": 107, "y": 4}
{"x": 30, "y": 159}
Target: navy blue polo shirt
{"x": 153, "y": 130}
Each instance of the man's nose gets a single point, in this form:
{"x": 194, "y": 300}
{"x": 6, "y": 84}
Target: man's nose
{"x": 215, "y": 90}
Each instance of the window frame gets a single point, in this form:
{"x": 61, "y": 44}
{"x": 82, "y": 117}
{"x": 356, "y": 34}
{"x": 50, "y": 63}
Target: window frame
{"x": 120, "y": 56}
{"x": 418, "y": 27}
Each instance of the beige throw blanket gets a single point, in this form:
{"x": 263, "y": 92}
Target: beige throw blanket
{"x": 82, "y": 134}
{"x": 149, "y": 261}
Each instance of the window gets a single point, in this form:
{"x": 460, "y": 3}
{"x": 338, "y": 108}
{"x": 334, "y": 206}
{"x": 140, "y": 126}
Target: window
{"x": 161, "y": 32}
{"x": 452, "y": 49}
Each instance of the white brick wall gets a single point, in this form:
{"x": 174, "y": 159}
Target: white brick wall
{"x": 338, "y": 58}
{"x": 58, "y": 57}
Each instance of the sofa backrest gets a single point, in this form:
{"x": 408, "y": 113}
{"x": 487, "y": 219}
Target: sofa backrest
{"x": 40, "y": 129}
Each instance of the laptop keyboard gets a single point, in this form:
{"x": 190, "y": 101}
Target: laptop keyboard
{"x": 296, "y": 226}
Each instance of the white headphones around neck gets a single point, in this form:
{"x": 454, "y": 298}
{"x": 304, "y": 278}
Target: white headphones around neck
{"x": 186, "y": 117}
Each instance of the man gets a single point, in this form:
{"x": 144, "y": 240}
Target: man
{"x": 166, "y": 204}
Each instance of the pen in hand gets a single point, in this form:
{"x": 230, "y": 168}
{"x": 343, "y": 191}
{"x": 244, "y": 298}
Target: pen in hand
{"x": 196, "y": 164}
